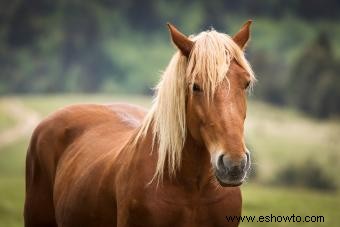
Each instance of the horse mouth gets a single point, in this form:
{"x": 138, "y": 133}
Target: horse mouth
{"x": 230, "y": 180}
{"x": 229, "y": 184}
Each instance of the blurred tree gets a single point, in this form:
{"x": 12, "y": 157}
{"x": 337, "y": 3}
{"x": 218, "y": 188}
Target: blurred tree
{"x": 81, "y": 37}
{"x": 24, "y": 27}
{"x": 213, "y": 13}
{"x": 81, "y": 49}
{"x": 270, "y": 73}
{"x": 309, "y": 174}
{"x": 314, "y": 83}
{"x": 90, "y": 46}
{"x": 315, "y": 9}
{"x": 143, "y": 14}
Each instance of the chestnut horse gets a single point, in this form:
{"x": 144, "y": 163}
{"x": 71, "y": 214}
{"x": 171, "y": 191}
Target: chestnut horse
{"x": 180, "y": 164}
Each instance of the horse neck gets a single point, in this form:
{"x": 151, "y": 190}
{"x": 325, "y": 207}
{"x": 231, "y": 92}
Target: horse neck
{"x": 195, "y": 168}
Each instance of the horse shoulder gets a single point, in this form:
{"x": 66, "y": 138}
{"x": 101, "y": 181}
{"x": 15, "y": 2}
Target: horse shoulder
{"x": 89, "y": 137}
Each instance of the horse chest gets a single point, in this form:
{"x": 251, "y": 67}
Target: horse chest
{"x": 154, "y": 213}
{"x": 187, "y": 211}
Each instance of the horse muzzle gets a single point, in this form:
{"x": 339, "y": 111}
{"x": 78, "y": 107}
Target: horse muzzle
{"x": 231, "y": 172}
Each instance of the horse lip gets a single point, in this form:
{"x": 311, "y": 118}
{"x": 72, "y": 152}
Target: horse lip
{"x": 228, "y": 184}
{"x": 223, "y": 184}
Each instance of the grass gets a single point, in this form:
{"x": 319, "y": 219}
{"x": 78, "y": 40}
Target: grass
{"x": 12, "y": 183}
{"x": 11, "y": 201}
{"x": 6, "y": 120}
{"x": 277, "y": 137}
{"x": 264, "y": 200}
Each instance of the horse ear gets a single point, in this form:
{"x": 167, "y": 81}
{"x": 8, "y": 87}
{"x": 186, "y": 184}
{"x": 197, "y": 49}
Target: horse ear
{"x": 181, "y": 41}
{"x": 242, "y": 36}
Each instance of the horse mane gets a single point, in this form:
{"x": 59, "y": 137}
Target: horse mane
{"x": 208, "y": 63}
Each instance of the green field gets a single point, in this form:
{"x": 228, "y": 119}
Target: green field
{"x": 6, "y": 121}
{"x": 275, "y": 136}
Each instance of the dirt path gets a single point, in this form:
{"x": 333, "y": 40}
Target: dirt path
{"x": 26, "y": 120}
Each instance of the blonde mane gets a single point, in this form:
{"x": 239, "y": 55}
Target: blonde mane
{"x": 208, "y": 63}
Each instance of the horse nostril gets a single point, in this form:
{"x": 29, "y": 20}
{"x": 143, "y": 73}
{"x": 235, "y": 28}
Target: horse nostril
{"x": 248, "y": 161}
{"x": 243, "y": 163}
{"x": 220, "y": 163}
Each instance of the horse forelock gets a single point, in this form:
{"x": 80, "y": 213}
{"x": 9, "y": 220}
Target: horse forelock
{"x": 208, "y": 63}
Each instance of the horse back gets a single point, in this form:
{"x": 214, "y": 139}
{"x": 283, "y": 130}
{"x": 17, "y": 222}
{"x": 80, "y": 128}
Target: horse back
{"x": 61, "y": 129}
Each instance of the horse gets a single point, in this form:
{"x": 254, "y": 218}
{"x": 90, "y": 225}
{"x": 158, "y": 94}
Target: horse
{"x": 179, "y": 164}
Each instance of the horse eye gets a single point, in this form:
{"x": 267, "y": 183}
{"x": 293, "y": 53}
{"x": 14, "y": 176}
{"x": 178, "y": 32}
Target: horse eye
{"x": 196, "y": 88}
